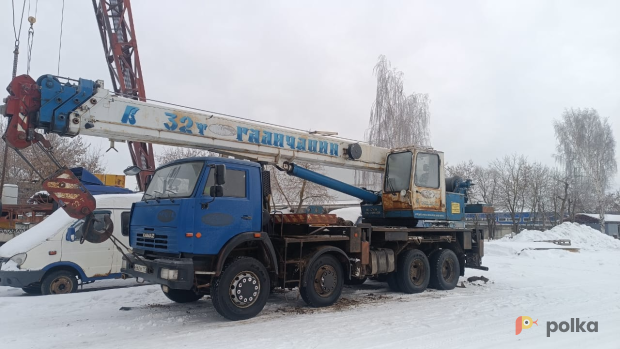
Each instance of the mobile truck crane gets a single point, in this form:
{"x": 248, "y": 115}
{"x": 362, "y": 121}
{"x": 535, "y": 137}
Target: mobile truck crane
{"x": 205, "y": 225}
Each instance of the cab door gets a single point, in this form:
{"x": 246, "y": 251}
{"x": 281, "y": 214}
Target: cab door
{"x": 427, "y": 180}
{"x": 219, "y": 219}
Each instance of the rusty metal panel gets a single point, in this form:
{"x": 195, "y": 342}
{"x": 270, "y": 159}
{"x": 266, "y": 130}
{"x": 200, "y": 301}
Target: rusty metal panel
{"x": 70, "y": 194}
{"x": 396, "y": 202}
{"x": 304, "y": 218}
{"x": 365, "y": 252}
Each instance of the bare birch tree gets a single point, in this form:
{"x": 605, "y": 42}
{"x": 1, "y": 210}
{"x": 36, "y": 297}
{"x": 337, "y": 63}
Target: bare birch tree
{"x": 396, "y": 119}
{"x": 585, "y": 141}
{"x": 513, "y": 174}
{"x": 295, "y": 192}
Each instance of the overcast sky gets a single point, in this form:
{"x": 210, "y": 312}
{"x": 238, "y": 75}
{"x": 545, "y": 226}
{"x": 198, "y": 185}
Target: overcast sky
{"x": 497, "y": 72}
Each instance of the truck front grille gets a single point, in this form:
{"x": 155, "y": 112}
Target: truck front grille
{"x": 156, "y": 242}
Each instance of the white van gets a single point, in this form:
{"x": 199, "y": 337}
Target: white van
{"x": 49, "y": 259}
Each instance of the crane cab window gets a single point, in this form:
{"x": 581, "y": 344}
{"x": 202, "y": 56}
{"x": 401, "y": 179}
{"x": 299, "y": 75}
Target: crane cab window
{"x": 398, "y": 172}
{"x": 427, "y": 170}
{"x": 235, "y": 183}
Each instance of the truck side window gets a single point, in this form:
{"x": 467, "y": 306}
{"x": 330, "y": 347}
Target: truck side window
{"x": 125, "y": 223}
{"x": 427, "y": 170}
{"x": 235, "y": 183}
{"x": 398, "y": 172}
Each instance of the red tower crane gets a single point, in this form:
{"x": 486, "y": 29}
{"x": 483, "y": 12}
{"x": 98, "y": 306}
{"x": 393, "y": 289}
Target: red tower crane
{"x": 118, "y": 35}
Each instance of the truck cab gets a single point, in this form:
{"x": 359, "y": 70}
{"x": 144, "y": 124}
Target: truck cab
{"x": 193, "y": 213}
{"x": 178, "y": 215}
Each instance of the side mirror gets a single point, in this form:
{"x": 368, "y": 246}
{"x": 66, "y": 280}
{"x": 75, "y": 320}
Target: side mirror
{"x": 217, "y": 191}
{"x": 132, "y": 170}
{"x": 70, "y": 236}
{"x": 220, "y": 175}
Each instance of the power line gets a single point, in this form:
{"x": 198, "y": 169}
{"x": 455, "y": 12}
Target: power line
{"x": 62, "y": 19}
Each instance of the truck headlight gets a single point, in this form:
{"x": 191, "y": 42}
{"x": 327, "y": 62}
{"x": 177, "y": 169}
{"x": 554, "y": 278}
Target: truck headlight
{"x": 169, "y": 274}
{"x": 19, "y": 259}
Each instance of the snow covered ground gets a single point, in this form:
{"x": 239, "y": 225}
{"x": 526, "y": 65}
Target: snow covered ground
{"x": 546, "y": 285}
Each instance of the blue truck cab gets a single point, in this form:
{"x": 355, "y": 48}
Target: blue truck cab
{"x": 178, "y": 215}
{"x": 189, "y": 221}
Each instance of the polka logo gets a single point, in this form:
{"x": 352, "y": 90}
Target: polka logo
{"x": 523, "y": 323}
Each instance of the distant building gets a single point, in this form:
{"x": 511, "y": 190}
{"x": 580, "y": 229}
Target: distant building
{"x": 612, "y": 222}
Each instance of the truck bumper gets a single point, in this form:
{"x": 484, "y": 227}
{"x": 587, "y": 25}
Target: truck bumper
{"x": 151, "y": 271}
{"x": 20, "y": 278}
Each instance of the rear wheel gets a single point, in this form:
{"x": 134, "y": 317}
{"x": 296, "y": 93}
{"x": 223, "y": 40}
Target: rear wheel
{"x": 445, "y": 270}
{"x": 323, "y": 282}
{"x": 241, "y": 290}
{"x": 59, "y": 282}
{"x": 180, "y": 296}
{"x": 413, "y": 273}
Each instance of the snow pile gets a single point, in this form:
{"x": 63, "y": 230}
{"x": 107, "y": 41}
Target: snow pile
{"x": 581, "y": 236}
{"x": 9, "y": 266}
{"x": 36, "y": 235}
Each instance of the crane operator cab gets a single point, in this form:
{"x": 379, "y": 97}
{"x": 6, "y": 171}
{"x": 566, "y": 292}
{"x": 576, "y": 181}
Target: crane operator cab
{"x": 415, "y": 189}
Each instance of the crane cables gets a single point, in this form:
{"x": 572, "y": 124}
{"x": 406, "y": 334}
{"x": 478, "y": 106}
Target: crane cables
{"x": 32, "y": 20}
{"x": 17, "y": 34}
{"x": 62, "y": 20}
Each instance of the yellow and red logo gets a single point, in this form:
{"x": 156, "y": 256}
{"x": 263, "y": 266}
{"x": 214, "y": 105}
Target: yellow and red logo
{"x": 524, "y": 322}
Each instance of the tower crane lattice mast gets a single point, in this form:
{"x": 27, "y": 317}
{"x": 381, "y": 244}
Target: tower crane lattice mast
{"x": 115, "y": 23}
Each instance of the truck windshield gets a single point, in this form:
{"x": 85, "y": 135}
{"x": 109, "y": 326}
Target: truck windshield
{"x": 176, "y": 181}
{"x": 398, "y": 172}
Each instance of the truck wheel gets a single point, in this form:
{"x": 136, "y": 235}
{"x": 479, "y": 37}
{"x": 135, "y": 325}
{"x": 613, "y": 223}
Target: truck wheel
{"x": 393, "y": 283}
{"x": 32, "y": 289}
{"x": 444, "y": 270}
{"x": 413, "y": 273}
{"x": 324, "y": 280}
{"x": 241, "y": 290}
{"x": 59, "y": 282}
{"x": 355, "y": 281}
{"x": 181, "y": 296}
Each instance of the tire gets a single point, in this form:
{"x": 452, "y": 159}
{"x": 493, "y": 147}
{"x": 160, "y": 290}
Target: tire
{"x": 355, "y": 281}
{"x": 413, "y": 272}
{"x": 35, "y": 290}
{"x": 323, "y": 281}
{"x": 392, "y": 282}
{"x": 181, "y": 296}
{"x": 234, "y": 302}
{"x": 59, "y": 282}
{"x": 445, "y": 270}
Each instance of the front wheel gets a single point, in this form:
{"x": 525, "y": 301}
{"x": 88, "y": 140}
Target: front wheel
{"x": 241, "y": 290}
{"x": 180, "y": 296}
{"x": 59, "y": 282}
{"x": 323, "y": 282}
